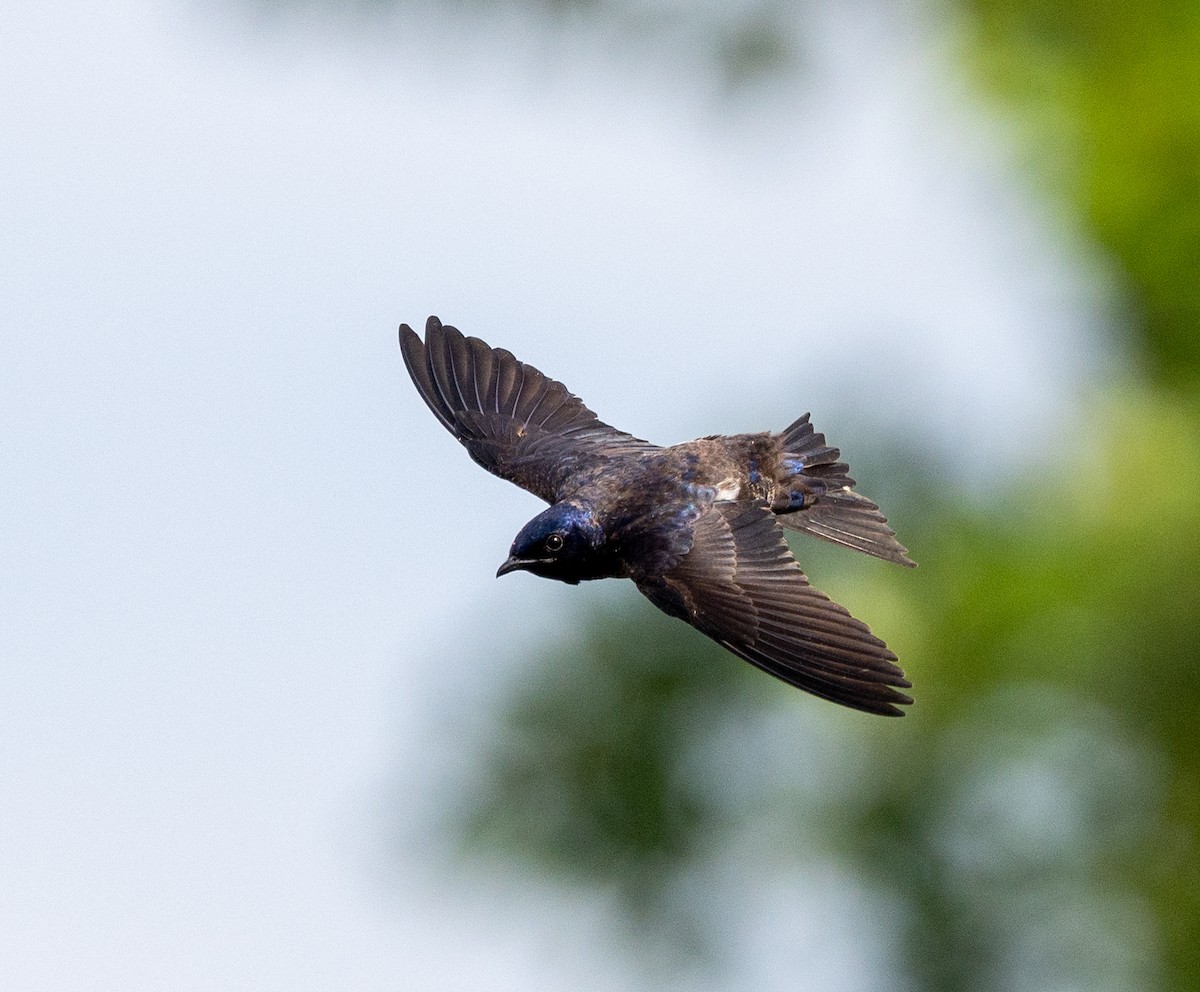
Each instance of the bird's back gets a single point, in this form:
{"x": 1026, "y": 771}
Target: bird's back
{"x": 795, "y": 473}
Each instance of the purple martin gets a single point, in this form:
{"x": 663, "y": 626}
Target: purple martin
{"x": 697, "y": 526}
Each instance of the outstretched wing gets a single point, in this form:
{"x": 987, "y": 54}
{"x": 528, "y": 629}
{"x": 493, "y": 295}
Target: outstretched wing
{"x": 514, "y": 421}
{"x": 740, "y": 585}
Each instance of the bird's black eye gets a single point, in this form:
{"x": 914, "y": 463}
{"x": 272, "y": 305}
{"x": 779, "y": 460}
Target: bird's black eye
{"x": 554, "y": 542}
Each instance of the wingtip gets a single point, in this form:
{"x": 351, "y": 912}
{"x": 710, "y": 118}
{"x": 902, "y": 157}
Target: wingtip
{"x": 890, "y": 706}
{"x": 884, "y": 704}
{"x": 412, "y": 349}
{"x": 432, "y": 326}
{"x": 434, "y": 331}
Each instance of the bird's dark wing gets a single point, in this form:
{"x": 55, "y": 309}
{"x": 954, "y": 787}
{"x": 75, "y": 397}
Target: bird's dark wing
{"x": 740, "y": 585}
{"x": 514, "y": 421}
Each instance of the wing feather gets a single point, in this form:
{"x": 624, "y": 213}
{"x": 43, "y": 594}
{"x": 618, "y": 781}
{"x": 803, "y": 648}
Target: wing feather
{"x": 513, "y": 420}
{"x": 740, "y": 585}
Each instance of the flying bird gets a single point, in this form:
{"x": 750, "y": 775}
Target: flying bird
{"x": 698, "y": 526}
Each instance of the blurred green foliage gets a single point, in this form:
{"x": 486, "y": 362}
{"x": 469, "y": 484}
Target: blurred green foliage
{"x": 590, "y": 781}
{"x": 1056, "y": 653}
{"x": 1110, "y": 94}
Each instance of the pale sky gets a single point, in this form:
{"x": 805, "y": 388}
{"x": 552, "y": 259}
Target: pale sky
{"x": 235, "y": 543}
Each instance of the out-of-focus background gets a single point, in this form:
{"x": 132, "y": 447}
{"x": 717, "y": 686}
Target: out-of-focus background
{"x": 266, "y": 719}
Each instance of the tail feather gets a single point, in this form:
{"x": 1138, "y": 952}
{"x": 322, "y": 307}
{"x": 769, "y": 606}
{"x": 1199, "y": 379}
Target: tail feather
{"x": 825, "y": 503}
{"x": 801, "y": 442}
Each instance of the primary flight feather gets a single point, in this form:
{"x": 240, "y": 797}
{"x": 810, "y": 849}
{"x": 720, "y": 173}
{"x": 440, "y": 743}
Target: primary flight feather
{"x": 698, "y": 526}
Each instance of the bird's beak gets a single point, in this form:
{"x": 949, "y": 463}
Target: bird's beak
{"x": 513, "y": 564}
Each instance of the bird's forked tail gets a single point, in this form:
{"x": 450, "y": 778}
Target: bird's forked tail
{"x": 816, "y": 495}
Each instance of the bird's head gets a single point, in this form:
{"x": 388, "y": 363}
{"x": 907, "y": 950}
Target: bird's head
{"x": 564, "y": 542}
